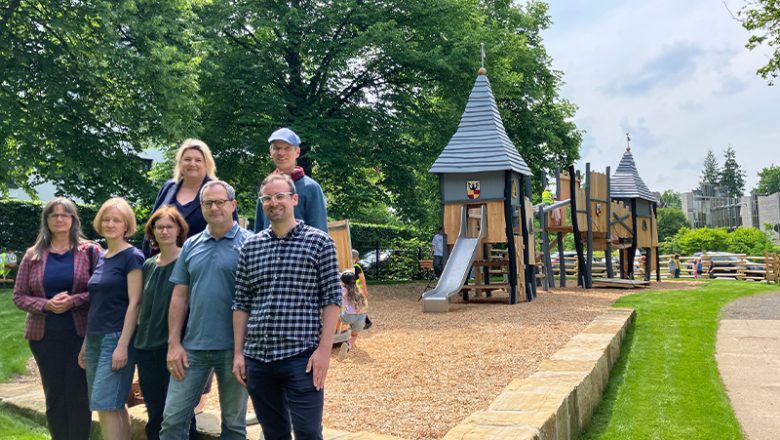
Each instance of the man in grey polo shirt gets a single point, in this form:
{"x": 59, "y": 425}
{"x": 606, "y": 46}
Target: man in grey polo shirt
{"x": 205, "y": 278}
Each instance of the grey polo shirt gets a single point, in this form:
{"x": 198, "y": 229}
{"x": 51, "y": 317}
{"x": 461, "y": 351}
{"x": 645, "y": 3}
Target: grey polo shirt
{"x": 208, "y": 267}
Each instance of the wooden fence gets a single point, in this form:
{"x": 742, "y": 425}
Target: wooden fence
{"x": 727, "y": 266}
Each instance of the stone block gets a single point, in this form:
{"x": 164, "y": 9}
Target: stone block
{"x": 468, "y": 431}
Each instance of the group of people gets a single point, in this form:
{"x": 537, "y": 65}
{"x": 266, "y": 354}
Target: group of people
{"x": 696, "y": 267}
{"x": 203, "y": 297}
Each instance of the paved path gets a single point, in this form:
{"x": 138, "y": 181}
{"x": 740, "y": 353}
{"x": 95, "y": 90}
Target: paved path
{"x": 748, "y": 355}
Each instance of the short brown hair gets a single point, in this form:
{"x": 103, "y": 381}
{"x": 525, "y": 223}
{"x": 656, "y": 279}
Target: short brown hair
{"x": 279, "y": 176}
{"x": 124, "y": 209}
{"x": 172, "y": 213}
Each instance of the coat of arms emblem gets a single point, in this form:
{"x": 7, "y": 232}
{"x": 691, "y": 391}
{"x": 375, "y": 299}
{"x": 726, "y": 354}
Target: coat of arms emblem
{"x": 472, "y": 189}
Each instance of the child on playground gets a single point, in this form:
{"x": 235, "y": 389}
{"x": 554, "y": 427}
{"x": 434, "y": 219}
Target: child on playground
{"x": 354, "y": 312}
{"x": 361, "y": 281}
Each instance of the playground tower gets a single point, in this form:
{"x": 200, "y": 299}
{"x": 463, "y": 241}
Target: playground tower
{"x": 628, "y": 187}
{"x": 484, "y": 183}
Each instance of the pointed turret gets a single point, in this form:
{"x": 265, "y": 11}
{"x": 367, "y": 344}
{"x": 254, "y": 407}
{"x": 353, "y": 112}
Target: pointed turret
{"x": 480, "y": 144}
{"x": 626, "y": 183}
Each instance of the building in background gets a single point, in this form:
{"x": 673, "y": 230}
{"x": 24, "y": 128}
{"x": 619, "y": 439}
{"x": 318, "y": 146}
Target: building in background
{"x": 707, "y": 206}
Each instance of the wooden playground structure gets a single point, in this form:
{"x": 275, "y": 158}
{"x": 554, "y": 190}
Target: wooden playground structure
{"x": 488, "y": 218}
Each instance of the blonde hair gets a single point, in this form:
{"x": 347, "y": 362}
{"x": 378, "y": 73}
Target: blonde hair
{"x": 208, "y": 159}
{"x": 125, "y": 211}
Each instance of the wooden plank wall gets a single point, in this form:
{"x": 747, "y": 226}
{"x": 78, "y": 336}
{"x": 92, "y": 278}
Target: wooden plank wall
{"x": 339, "y": 232}
{"x": 598, "y": 185}
{"x": 620, "y": 209}
{"x": 496, "y": 232}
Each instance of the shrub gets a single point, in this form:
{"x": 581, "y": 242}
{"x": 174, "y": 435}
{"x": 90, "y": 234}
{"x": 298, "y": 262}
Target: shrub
{"x": 20, "y": 220}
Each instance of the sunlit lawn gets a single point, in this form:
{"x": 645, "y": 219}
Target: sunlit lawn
{"x": 666, "y": 383}
{"x": 14, "y": 353}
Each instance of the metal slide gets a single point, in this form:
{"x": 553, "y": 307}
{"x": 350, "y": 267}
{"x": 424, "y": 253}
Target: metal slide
{"x": 457, "y": 268}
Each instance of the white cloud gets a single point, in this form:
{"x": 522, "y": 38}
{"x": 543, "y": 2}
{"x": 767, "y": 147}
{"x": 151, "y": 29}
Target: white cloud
{"x": 676, "y": 75}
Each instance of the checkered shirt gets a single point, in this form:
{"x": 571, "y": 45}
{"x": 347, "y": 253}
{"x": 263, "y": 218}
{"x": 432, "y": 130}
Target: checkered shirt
{"x": 283, "y": 283}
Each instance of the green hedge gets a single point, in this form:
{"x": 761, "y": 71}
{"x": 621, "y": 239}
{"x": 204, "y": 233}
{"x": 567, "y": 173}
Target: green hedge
{"x": 365, "y": 236}
{"x": 20, "y": 220}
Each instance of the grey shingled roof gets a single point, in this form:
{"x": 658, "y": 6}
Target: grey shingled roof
{"x": 626, "y": 183}
{"x": 480, "y": 143}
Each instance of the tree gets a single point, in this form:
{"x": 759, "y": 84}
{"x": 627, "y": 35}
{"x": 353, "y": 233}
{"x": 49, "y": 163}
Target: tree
{"x": 670, "y": 221}
{"x": 671, "y": 199}
{"x": 732, "y": 177}
{"x": 762, "y": 18}
{"x": 86, "y": 86}
{"x": 769, "y": 180}
{"x": 711, "y": 173}
{"x": 375, "y": 89}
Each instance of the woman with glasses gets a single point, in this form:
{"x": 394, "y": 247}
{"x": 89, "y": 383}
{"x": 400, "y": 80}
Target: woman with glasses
{"x": 115, "y": 290}
{"x": 166, "y": 230}
{"x": 194, "y": 167}
{"x": 51, "y": 287}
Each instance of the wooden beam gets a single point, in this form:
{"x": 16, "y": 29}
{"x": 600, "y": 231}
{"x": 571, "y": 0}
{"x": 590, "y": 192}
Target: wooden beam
{"x": 510, "y": 237}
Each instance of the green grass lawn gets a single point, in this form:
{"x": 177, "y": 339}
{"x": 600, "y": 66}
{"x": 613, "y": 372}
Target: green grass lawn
{"x": 14, "y": 350}
{"x": 14, "y": 353}
{"x": 666, "y": 383}
{"x": 13, "y": 427}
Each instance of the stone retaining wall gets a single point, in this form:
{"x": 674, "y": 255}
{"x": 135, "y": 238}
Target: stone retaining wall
{"x": 557, "y": 401}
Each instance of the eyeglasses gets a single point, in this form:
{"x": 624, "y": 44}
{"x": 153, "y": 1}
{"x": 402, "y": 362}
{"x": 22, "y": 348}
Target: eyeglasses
{"x": 280, "y": 196}
{"x": 209, "y": 203}
{"x": 58, "y": 216}
{"x": 161, "y": 228}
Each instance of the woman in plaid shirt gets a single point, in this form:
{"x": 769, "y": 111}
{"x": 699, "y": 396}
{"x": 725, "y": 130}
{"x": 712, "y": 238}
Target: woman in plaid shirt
{"x": 51, "y": 287}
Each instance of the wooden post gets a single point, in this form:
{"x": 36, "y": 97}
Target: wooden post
{"x": 561, "y": 235}
{"x": 530, "y": 280}
{"x": 589, "y": 218}
{"x": 632, "y": 254}
{"x": 608, "y": 250}
{"x": 657, "y": 256}
{"x": 548, "y": 275}
{"x": 510, "y": 237}
{"x": 622, "y": 262}
{"x": 576, "y": 229}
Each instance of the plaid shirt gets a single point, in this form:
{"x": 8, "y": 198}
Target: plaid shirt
{"x": 30, "y": 296}
{"x": 283, "y": 283}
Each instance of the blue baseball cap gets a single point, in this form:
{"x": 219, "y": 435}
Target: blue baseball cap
{"x": 285, "y": 134}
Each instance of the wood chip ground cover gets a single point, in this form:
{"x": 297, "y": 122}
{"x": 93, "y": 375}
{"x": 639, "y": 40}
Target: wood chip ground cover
{"x": 416, "y": 375}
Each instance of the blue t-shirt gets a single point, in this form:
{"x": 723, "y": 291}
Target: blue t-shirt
{"x": 58, "y": 277}
{"x": 108, "y": 298}
{"x": 208, "y": 267}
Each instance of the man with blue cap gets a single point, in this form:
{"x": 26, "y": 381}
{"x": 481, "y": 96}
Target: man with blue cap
{"x": 285, "y": 147}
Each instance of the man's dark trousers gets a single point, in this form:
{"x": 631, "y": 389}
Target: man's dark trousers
{"x": 283, "y": 394}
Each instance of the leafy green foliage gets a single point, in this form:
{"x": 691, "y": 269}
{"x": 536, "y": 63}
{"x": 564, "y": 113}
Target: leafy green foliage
{"x": 762, "y": 18}
{"x": 666, "y": 382}
{"x": 375, "y": 90}
{"x": 769, "y": 180}
{"x": 732, "y": 176}
{"x": 711, "y": 173}
{"x": 20, "y": 220}
{"x": 750, "y": 241}
{"x": 366, "y": 237}
{"x": 86, "y": 86}
{"x": 670, "y": 221}
{"x": 670, "y": 199}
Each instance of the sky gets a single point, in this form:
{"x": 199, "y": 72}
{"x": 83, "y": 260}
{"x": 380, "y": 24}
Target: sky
{"x": 675, "y": 75}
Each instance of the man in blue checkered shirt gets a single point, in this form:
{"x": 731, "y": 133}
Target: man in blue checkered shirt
{"x": 285, "y": 311}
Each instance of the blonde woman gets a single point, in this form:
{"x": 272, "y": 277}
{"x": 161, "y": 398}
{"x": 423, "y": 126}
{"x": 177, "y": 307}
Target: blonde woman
{"x": 194, "y": 167}
{"x": 51, "y": 287}
{"x": 115, "y": 296}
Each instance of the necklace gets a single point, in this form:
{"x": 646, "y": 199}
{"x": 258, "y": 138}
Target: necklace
{"x": 58, "y": 250}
